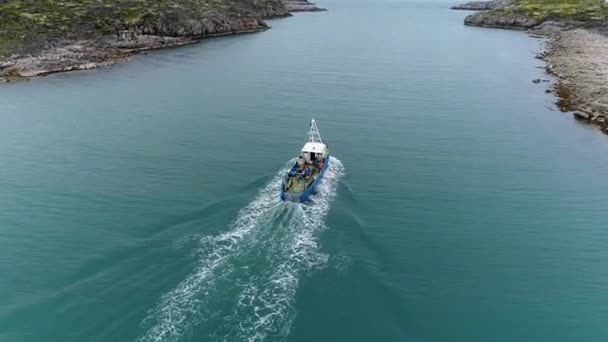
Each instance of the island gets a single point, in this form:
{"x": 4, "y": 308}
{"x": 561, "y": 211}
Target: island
{"x": 40, "y": 37}
{"x": 576, "y": 52}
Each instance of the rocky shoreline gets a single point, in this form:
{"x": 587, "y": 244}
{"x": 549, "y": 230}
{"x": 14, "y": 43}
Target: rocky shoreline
{"x": 576, "y": 54}
{"x": 479, "y": 5}
{"x": 579, "y": 59}
{"x": 302, "y": 6}
{"x": 83, "y": 54}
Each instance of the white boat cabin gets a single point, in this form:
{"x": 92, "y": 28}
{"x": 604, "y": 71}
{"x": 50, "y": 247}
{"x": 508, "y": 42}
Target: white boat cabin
{"x": 314, "y": 151}
{"x": 314, "y": 148}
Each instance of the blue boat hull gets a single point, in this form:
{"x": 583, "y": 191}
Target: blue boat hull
{"x": 303, "y": 197}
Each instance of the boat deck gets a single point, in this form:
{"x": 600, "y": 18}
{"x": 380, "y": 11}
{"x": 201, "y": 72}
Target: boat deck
{"x": 298, "y": 185}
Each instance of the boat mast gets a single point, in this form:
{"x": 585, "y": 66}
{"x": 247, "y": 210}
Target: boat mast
{"x": 313, "y": 133}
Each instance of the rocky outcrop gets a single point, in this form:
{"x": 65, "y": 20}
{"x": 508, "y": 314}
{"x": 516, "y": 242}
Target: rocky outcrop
{"x": 214, "y": 23}
{"x": 501, "y": 19}
{"x": 302, "y": 6}
{"x": 82, "y": 55}
{"x": 480, "y": 5}
{"x": 120, "y": 31}
{"x": 109, "y": 49}
{"x": 42, "y": 21}
{"x": 497, "y": 14}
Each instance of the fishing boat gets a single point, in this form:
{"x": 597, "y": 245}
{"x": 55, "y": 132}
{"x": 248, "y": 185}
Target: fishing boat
{"x": 302, "y": 179}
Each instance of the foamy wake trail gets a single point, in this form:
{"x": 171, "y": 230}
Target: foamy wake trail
{"x": 244, "y": 286}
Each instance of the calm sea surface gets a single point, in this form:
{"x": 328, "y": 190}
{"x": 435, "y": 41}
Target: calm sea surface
{"x": 139, "y": 203}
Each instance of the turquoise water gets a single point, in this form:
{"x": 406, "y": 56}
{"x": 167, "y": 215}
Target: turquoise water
{"x": 139, "y": 202}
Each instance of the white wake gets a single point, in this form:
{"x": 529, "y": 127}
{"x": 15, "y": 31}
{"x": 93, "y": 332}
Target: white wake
{"x": 244, "y": 286}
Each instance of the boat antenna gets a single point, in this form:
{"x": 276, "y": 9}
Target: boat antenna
{"x": 313, "y": 133}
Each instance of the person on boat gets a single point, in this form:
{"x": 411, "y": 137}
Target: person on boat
{"x": 286, "y": 184}
{"x": 307, "y": 172}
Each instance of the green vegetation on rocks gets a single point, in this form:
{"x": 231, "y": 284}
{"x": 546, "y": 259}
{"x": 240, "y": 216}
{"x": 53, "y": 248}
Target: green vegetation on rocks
{"x": 39, "y": 24}
{"x": 571, "y": 10}
{"x": 526, "y": 14}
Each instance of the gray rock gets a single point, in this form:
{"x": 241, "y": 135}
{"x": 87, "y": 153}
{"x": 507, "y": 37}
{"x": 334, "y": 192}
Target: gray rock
{"x": 596, "y": 106}
{"x": 501, "y": 20}
{"x": 6, "y": 64}
{"x": 549, "y": 28}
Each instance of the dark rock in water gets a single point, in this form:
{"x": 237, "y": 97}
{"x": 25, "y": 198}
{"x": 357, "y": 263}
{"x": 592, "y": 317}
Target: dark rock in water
{"x": 480, "y": 5}
{"x": 546, "y": 81}
{"x": 536, "y": 80}
{"x": 582, "y": 116}
{"x": 501, "y": 19}
{"x": 548, "y": 91}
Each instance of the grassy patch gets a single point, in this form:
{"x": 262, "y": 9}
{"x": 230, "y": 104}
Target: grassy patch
{"x": 24, "y": 23}
{"x": 578, "y": 10}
